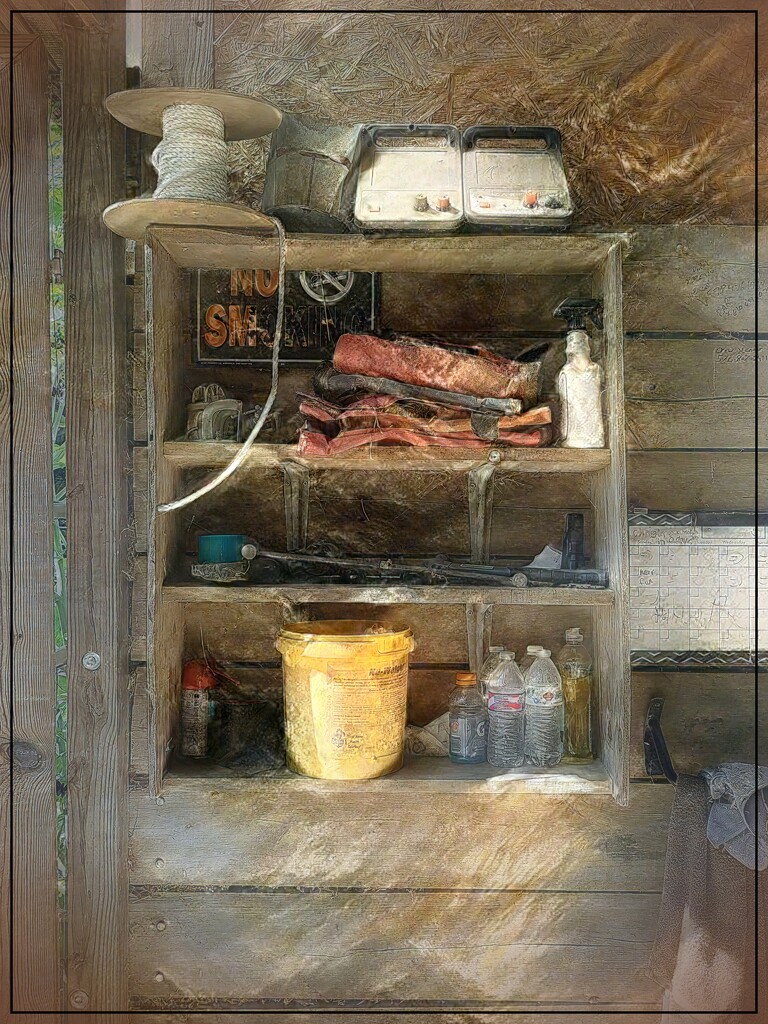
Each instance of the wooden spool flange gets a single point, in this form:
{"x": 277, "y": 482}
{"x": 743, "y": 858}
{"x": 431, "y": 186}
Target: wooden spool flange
{"x": 245, "y": 117}
{"x": 131, "y": 217}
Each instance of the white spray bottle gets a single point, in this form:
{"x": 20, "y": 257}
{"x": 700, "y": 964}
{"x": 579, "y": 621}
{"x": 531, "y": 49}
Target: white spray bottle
{"x": 580, "y": 382}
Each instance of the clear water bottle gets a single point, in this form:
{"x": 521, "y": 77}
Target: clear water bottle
{"x": 489, "y": 669}
{"x": 506, "y": 703}
{"x": 530, "y": 656}
{"x": 543, "y": 712}
{"x": 467, "y": 721}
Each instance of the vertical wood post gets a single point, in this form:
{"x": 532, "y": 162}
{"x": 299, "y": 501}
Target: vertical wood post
{"x": 34, "y": 983}
{"x": 97, "y": 470}
{"x": 479, "y": 621}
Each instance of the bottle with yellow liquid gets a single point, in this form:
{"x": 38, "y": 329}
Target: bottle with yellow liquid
{"x": 574, "y": 662}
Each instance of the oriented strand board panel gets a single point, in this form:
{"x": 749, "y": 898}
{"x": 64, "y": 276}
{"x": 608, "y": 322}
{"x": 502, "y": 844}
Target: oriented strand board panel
{"x": 657, "y": 109}
{"x": 386, "y": 946}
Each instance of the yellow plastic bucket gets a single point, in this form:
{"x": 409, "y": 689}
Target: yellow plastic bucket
{"x": 346, "y": 684}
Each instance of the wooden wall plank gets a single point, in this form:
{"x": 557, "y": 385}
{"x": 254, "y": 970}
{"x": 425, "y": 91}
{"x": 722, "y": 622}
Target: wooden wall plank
{"x": 177, "y": 51}
{"x": 695, "y": 392}
{"x": 253, "y": 836}
{"x": 5, "y": 538}
{"x": 609, "y": 495}
{"x": 432, "y": 946}
{"x": 98, "y": 467}
{"x": 35, "y": 977}
{"x": 691, "y": 481}
{"x": 140, "y": 486}
{"x": 725, "y": 423}
{"x": 492, "y": 303}
{"x": 139, "y": 609}
{"x": 708, "y": 717}
{"x": 165, "y": 414}
{"x": 139, "y": 724}
{"x": 691, "y": 278}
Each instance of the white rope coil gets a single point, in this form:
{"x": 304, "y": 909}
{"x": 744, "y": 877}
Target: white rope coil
{"x": 191, "y": 160}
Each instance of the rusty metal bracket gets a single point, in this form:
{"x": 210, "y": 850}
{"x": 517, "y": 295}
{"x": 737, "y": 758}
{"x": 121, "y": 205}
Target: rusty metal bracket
{"x": 480, "y": 481}
{"x": 657, "y": 759}
{"x": 296, "y": 501}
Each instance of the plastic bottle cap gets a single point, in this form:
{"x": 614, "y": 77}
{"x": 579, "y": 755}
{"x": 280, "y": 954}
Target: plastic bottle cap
{"x": 507, "y": 655}
{"x": 533, "y": 649}
{"x": 466, "y": 679}
{"x": 543, "y": 653}
{"x": 574, "y": 636}
{"x": 496, "y": 650}
{"x": 197, "y": 676}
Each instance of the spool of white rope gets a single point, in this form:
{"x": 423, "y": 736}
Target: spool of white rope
{"x": 191, "y": 160}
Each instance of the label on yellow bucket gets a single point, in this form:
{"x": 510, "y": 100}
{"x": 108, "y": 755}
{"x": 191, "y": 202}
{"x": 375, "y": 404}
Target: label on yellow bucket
{"x": 361, "y": 715}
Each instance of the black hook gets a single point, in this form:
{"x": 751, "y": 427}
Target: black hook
{"x": 657, "y": 759}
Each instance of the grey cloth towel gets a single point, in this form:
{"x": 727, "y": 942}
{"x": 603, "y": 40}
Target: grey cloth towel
{"x": 738, "y": 821}
{"x": 704, "y": 954}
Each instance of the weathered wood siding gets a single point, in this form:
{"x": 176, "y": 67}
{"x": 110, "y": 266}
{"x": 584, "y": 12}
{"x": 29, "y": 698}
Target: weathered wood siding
{"x": 98, "y": 460}
{"x": 30, "y": 973}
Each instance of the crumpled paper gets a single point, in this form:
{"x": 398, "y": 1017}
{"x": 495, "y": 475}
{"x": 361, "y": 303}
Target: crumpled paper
{"x": 429, "y": 740}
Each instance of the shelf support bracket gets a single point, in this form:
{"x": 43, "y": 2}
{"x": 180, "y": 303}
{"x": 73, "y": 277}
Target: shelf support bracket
{"x": 479, "y": 620}
{"x": 296, "y": 500}
{"x": 480, "y": 482}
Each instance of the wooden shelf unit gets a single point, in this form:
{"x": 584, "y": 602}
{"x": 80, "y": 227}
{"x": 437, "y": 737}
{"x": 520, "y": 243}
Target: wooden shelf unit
{"x": 170, "y": 254}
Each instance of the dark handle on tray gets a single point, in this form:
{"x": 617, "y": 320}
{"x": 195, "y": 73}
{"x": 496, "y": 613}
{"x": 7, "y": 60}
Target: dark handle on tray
{"x": 402, "y": 131}
{"x": 551, "y": 136}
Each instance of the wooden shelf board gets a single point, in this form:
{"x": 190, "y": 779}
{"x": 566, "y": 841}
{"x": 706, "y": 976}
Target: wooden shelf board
{"x": 215, "y": 454}
{"x": 418, "y": 774}
{"x": 223, "y": 249}
{"x": 238, "y": 593}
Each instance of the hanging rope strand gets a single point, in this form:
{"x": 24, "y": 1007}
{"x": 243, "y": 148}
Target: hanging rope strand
{"x": 238, "y": 460}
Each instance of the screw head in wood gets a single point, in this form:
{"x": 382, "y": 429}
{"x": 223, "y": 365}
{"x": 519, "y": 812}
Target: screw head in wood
{"x": 494, "y": 456}
{"x": 159, "y": 862}
{"x": 161, "y": 926}
{"x": 159, "y": 976}
{"x": 91, "y": 661}
{"x": 79, "y": 999}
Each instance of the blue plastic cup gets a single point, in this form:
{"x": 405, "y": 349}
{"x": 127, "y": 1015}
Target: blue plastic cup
{"x": 220, "y": 547}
